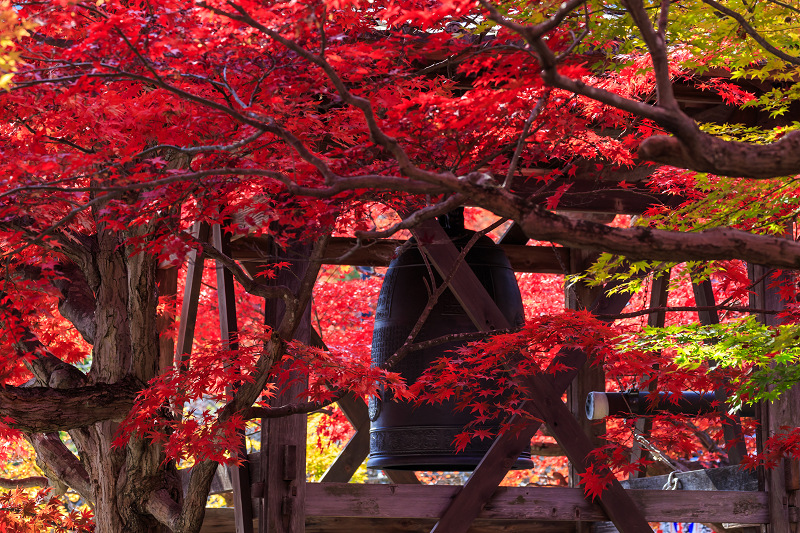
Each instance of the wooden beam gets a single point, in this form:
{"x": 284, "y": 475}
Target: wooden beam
{"x": 531, "y": 503}
{"x": 349, "y": 459}
{"x": 240, "y": 475}
{"x": 220, "y": 520}
{"x": 422, "y": 525}
{"x": 729, "y": 478}
{"x": 514, "y": 235}
{"x": 464, "y": 284}
{"x": 413, "y": 508}
{"x": 347, "y": 251}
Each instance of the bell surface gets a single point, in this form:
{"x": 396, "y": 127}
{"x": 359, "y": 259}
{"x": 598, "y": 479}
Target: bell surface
{"x": 405, "y": 436}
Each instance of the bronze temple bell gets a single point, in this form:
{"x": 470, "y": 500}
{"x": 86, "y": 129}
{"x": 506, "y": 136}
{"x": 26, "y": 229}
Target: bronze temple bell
{"x": 404, "y": 436}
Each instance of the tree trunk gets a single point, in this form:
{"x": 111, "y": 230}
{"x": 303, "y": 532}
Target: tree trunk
{"x": 117, "y": 480}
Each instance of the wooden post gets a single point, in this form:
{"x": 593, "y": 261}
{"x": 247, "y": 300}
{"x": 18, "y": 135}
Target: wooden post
{"x": 731, "y": 426}
{"x": 658, "y": 298}
{"x": 240, "y": 476}
{"x": 167, "y": 281}
{"x": 283, "y": 440}
{"x": 590, "y": 378}
{"x": 782, "y": 483}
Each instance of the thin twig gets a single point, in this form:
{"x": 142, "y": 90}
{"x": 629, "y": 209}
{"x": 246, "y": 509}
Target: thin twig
{"x": 249, "y": 284}
{"x": 139, "y": 55}
{"x": 512, "y": 168}
{"x": 405, "y": 349}
{"x": 752, "y": 32}
{"x": 199, "y": 149}
{"x": 231, "y": 89}
{"x": 414, "y": 219}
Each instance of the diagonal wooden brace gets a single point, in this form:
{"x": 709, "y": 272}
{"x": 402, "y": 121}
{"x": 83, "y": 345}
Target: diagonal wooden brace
{"x": 357, "y": 448}
{"x": 465, "y": 285}
{"x": 486, "y": 316}
{"x": 614, "y": 500}
{"x": 191, "y": 296}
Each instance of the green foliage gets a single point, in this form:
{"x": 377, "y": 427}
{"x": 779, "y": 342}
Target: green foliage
{"x": 762, "y": 361}
{"x": 628, "y": 277}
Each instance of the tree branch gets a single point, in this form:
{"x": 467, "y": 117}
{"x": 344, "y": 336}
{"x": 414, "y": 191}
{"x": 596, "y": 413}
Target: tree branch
{"x": 691, "y": 148}
{"x": 250, "y": 284}
{"x": 512, "y": 167}
{"x": 166, "y": 510}
{"x": 537, "y": 31}
{"x": 191, "y": 150}
{"x": 377, "y": 135}
{"x": 726, "y": 158}
{"x": 75, "y": 246}
{"x": 292, "y": 408}
{"x": 43, "y": 409}
{"x": 46, "y": 367}
{"x": 657, "y": 46}
{"x": 194, "y": 504}
{"x": 552, "y": 77}
{"x": 414, "y": 218}
{"x": 661, "y": 245}
{"x": 23, "y": 483}
{"x": 338, "y": 184}
{"x": 60, "y": 464}
{"x": 77, "y": 302}
{"x": 638, "y": 243}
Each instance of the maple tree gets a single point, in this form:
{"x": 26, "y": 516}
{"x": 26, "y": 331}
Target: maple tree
{"x": 125, "y": 123}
